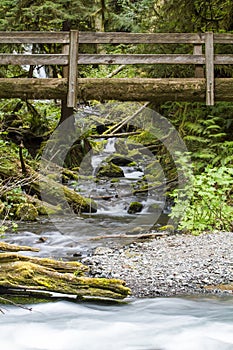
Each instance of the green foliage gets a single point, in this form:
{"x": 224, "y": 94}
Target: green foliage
{"x": 44, "y": 14}
{"x": 40, "y": 117}
{"x": 208, "y": 201}
{"x": 197, "y": 15}
{"x": 207, "y": 131}
{"x": 129, "y": 16}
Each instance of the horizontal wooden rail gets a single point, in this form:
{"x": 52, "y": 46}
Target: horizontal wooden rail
{"x": 63, "y": 59}
{"x": 140, "y": 59}
{"x": 111, "y": 38}
{"x": 140, "y": 38}
{"x": 34, "y": 37}
{"x": 34, "y": 59}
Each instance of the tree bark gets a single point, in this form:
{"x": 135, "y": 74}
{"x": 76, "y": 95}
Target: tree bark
{"x": 122, "y": 89}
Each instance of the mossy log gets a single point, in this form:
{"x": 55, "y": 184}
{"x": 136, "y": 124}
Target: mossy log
{"x": 121, "y": 89}
{"x": 6, "y": 247}
{"x": 54, "y": 192}
{"x": 22, "y": 273}
{"x": 60, "y": 266}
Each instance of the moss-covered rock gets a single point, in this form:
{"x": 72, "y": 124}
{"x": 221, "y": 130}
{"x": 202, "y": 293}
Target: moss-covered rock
{"x": 120, "y": 160}
{"x": 26, "y": 212}
{"x": 110, "y": 170}
{"x": 44, "y": 208}
{"x": 135, "y": 207}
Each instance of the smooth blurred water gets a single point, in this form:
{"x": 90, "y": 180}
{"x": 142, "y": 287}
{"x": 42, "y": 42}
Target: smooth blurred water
{"x": 146, "y": 324}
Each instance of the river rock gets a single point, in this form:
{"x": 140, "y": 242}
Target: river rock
{"x": 26, "y": 211}
{"x": 135, "y": 207}
{"x": 121, "y": 160}
{"x": 110, "y": 170}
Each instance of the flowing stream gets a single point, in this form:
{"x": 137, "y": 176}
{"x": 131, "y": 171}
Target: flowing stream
{"x": 65, "y": 238}
{"x": 146, "y": 324}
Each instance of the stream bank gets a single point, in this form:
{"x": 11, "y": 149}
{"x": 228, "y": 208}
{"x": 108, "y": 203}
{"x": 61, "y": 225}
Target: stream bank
{"x": 170, "y": 265}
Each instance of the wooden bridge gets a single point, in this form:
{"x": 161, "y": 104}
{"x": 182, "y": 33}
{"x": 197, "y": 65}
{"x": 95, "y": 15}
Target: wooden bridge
{"x": 202, "y": 87}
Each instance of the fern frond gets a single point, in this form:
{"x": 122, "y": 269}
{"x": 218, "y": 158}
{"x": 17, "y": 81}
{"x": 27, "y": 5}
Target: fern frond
{"x": 194, "y": 127}
{"x": 194, "y": 138}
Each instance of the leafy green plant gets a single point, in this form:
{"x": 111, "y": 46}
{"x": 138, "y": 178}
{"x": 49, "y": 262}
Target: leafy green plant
{"x": 208, "y": 201}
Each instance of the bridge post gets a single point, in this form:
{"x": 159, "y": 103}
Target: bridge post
{"x": 209, "y": 62}
{"x": 199, "y": 71}
{"x": 66, "y": 111}
{"x": 72, "y": 73}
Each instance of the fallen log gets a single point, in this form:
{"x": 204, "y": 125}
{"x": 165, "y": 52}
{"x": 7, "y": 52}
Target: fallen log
{"x": 20, "y": 274}
{"x": 55, "y": 193}
{"x": 16, "y": 248}
{"x": 121, "y": 89}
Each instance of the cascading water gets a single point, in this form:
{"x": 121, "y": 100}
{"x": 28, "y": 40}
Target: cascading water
{"x": 113, "y": 196}
{"x": 108, "y": 150}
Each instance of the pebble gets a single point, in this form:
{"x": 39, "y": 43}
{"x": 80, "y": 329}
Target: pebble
{"x": 169, "y": 265}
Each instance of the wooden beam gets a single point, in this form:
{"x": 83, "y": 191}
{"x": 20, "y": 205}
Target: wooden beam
{"x": 223, "y": 38}
{"x": 223, "y": 59}
{"x": 209, "y": 58}
{"x": 33, "y": 59}
{"x": 122, "y": 89}
{"x": 155, "y": 90}
{"x": 139, "y": 89}
{"x": 66, "y": 112}
{"x": 140, "y": 59}
{"x": 64, "y": 59}
{"x": 31, "y": 88}
{"x": 73, "y": 67}
{"x": 34, "y": 37}
{"x": 140, "y": 38}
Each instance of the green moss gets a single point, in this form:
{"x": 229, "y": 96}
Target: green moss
{"x": 169, "y": 228}
{"x": 29, "y": 273}
{"x": 110, "y": 170}
{"x": 48, "y": 209}
{"x": 26, "y": 211}
{"x": 135, "y": 207}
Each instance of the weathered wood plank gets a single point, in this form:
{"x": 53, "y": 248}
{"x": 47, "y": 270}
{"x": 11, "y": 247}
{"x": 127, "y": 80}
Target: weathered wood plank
{"x": 140, "y": 59}
{"x": 34, "y": 59}
{"x": 209, "y": 55}
{"x": 122, "y": 89}
{"x": 34, "y": 37}
{"x": 72, "y": 77}
{"x": 223, "y": 38}
{"x": 140, "y": 38}
{"x": 223, "y": 59}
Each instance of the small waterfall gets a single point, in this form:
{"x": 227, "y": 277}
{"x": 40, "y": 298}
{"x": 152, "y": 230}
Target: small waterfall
{"x": 96, "y": 160}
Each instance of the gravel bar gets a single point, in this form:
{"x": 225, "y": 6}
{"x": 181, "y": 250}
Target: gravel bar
{"x": 170, "y": 265}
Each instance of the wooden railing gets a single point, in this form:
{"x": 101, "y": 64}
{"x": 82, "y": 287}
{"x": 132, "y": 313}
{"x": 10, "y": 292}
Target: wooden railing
{"x": 71, "y": 58}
